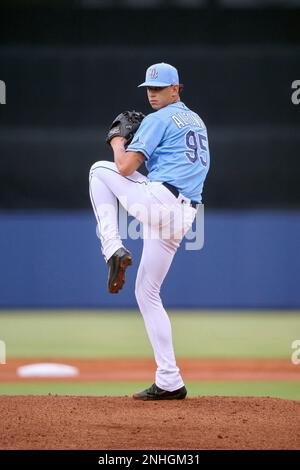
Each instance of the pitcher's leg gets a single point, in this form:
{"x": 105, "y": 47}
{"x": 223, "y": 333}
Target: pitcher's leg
{"x": 130, "y": 189}
{"x": 105, "y": 206}
{"x": 155, "y": 262}
{"x": 106, "y": 187}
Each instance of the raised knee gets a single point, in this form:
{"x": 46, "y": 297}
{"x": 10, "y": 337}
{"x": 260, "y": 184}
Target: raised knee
{"x": 100, "y": 166}
{"x": 93, "y": 168}
{"x": 97, "y": 166}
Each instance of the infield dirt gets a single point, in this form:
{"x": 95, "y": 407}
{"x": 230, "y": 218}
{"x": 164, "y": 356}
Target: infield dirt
{"x": 68, "y": 422}
{"x": 139, "y": 369}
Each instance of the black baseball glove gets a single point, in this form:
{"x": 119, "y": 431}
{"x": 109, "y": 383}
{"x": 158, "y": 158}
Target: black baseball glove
{"x": 125, "y": 125}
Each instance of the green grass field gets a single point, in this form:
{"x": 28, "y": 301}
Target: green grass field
{"x": 122, "y": 334}
{"x": 94, "y": 334}
{"x": 289, "y": 390}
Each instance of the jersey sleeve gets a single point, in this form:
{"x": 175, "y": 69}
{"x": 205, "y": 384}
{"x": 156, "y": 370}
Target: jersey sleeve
{"x": 148, "y": 136}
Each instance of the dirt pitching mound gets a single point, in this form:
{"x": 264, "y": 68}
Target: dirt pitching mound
{"x": 67, "y": 422}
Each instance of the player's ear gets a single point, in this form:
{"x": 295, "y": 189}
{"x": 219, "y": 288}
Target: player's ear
{"x": 175, "y": 90}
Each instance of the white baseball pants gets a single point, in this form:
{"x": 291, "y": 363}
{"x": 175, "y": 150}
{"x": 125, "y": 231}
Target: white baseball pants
{"x": 165, "y": 221}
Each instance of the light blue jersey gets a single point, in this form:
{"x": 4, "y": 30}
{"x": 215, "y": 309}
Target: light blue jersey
{"x": 175, "y": 143}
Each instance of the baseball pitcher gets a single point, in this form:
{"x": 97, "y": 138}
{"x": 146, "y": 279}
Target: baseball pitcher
{"x": 173, "y": 143}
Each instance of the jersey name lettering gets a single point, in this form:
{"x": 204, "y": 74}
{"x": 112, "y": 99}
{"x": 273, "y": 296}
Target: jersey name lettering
{"x": 187, "y": 119}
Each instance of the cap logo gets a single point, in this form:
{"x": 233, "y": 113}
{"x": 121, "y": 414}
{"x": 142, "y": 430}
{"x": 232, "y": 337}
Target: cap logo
{"x": 153, "y": 73}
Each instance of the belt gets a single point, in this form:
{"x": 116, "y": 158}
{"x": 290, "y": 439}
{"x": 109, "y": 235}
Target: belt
{"x": 176, "y": 193}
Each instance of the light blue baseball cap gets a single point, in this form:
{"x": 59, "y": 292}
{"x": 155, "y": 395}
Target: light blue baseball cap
{"x": 161, "y": 75}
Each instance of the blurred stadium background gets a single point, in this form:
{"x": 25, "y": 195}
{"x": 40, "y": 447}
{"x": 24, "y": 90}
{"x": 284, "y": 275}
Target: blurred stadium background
{"x": 69, "y": 68}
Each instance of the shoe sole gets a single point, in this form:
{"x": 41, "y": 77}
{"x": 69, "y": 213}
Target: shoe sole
{"x": 175, "y": 397}
{"x": 119, "y": 281}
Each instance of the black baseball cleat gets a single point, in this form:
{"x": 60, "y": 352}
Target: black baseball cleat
{"x": 117, "y": 265}
{"x": 156, "y": 393}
